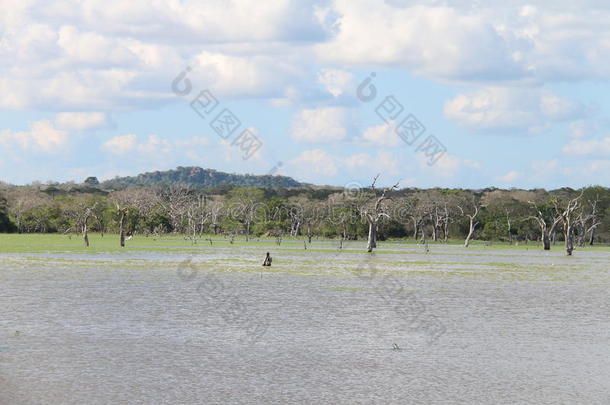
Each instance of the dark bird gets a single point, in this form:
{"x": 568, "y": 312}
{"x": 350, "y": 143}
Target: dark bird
{"x": 267, "y": 261}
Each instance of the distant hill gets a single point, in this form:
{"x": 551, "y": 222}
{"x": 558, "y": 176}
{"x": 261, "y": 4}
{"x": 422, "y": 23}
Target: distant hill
{"x": 201, "y": 178}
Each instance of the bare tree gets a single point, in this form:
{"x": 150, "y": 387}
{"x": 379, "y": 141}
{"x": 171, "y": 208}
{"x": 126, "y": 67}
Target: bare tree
{"x": 308, "y": 212}
{"x": 546, "y": 222}
{"x": 418, "y": 210}
{"x": 245, "y": 204}
{"x": 446, "y": 222}
{"x": 81, "y": 212}
{"x": 174, "y": 199}
{"x": 567, "y": 218}
{"x": 296, "y": 214}
{"x": 215, "y": 209}
{"x": 508, "y": 225}
{"x": 126, "y": 208}
{"x": 587, "y": 221}
{"x": 22, "y": 200}
{"x": 373, "y": 215}
{"x": 471, "y": 217}
{"x": 440, "y": 217}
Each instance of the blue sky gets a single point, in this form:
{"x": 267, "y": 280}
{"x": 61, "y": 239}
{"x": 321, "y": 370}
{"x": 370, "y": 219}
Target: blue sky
{"x": 516, "y": 92}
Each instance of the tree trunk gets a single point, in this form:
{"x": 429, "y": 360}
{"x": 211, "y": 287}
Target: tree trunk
{"x": 470, "y": 233}
{"x": 85, "y": 235}
{"x": 546, "y": 241}
{"x": 372, "y": 241}
{"x": 581, "y": 237}
{"x": 122, "y": 229}
{"x": 569, "y": 236}
{"x": 592, "y": 238}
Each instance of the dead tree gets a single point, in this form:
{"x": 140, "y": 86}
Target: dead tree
{"x": 547, "y": 225}
{"x": 216, "y": 209}
{"x": 440, "y": 220}
{"x": 296, "y": 216}
{"x": 587, "y": 222}
{"x": 418, "y": 211}
{"x": 446, "y": 222}
{"x": 567, "y": 218}
{"x": 174, "y": 200}
{"x": 373, "y": 215}
{"x": 84, "y": 226}
{"x": 122, "y": 214}
{"x": 472, "y": 223}
{"x": 126, "y": 203}
{"x": 508, "y": 225}
{"x": 197, "y": 215}
{"x": 81, "y": 211}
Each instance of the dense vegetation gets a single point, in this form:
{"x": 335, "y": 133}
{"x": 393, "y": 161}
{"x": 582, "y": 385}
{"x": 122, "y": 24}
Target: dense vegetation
{"x": 434, "y": 214}
{"x": 200, "y": 178}
{"x": 5, "y": 224}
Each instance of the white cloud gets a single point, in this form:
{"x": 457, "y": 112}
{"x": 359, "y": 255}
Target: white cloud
{"x": 506, "y": 108}
{"x": 589, "y": 148}
{"x": 114, "y": 55}
{"x": 249, "y": 75}
{"x": 315, "y": 162}
{"x": 509, "y": 177}
{"x": 120, "y": 145}
{"x": 80, "y": 121}
{"x": 448, "y": 166}
{"x": 382, "y": 162}
{"x": 358, "y": 160}
{"x": 382, "y": 135}
{"x": 436, "y": 41}
{"x": 111, "y": 54}
{"x": 593, "y": 171}
{"x": 578, "y": 129}
{"x": 90, "y": 48}
{"x": 494, "y": 41}
{"x": 545, "y": 166}
{"x": 194, "y": 21}
{"x": 164, "y": 151}
{"x": 323, "y": 125}
{"x": 42, "y": 136}
{"x": 131, "y": 144}
{"x": 335, "y": 81}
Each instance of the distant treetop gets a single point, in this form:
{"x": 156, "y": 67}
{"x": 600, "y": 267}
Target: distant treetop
{"x": 201, "y": 178}
{"x": 91, "y": 181}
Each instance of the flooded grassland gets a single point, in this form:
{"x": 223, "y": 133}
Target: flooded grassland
{"x": 169, "y": 321}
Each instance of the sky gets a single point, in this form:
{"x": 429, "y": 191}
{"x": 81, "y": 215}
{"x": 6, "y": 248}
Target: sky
{"x": 428, "y": 93}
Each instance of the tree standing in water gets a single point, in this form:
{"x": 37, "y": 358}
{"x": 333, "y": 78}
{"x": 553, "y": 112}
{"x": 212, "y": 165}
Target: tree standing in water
{"x": 373, "y": 215}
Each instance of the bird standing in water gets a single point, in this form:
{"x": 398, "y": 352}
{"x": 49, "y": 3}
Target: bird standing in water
{"x": 267, "y": 261}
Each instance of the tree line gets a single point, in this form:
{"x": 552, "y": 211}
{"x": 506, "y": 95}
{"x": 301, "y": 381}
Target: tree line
{"x": 572, "y": 217}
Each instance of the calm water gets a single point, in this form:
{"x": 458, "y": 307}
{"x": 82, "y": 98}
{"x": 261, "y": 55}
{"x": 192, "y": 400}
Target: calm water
{"x": 319, "y": 326}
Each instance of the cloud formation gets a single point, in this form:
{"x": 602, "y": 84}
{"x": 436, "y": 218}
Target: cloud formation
{"x": 507, "y": 108}
{"x": 320, "y": 125}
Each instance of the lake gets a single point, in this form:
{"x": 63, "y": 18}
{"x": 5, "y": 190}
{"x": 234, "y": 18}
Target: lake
{"x": 171, "y": 322}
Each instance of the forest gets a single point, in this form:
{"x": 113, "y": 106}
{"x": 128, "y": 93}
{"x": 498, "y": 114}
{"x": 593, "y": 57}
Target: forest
{"x": 572, "y": 217}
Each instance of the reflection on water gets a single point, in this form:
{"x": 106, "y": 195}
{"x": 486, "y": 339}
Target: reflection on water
{"x": 522, "y": 326}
